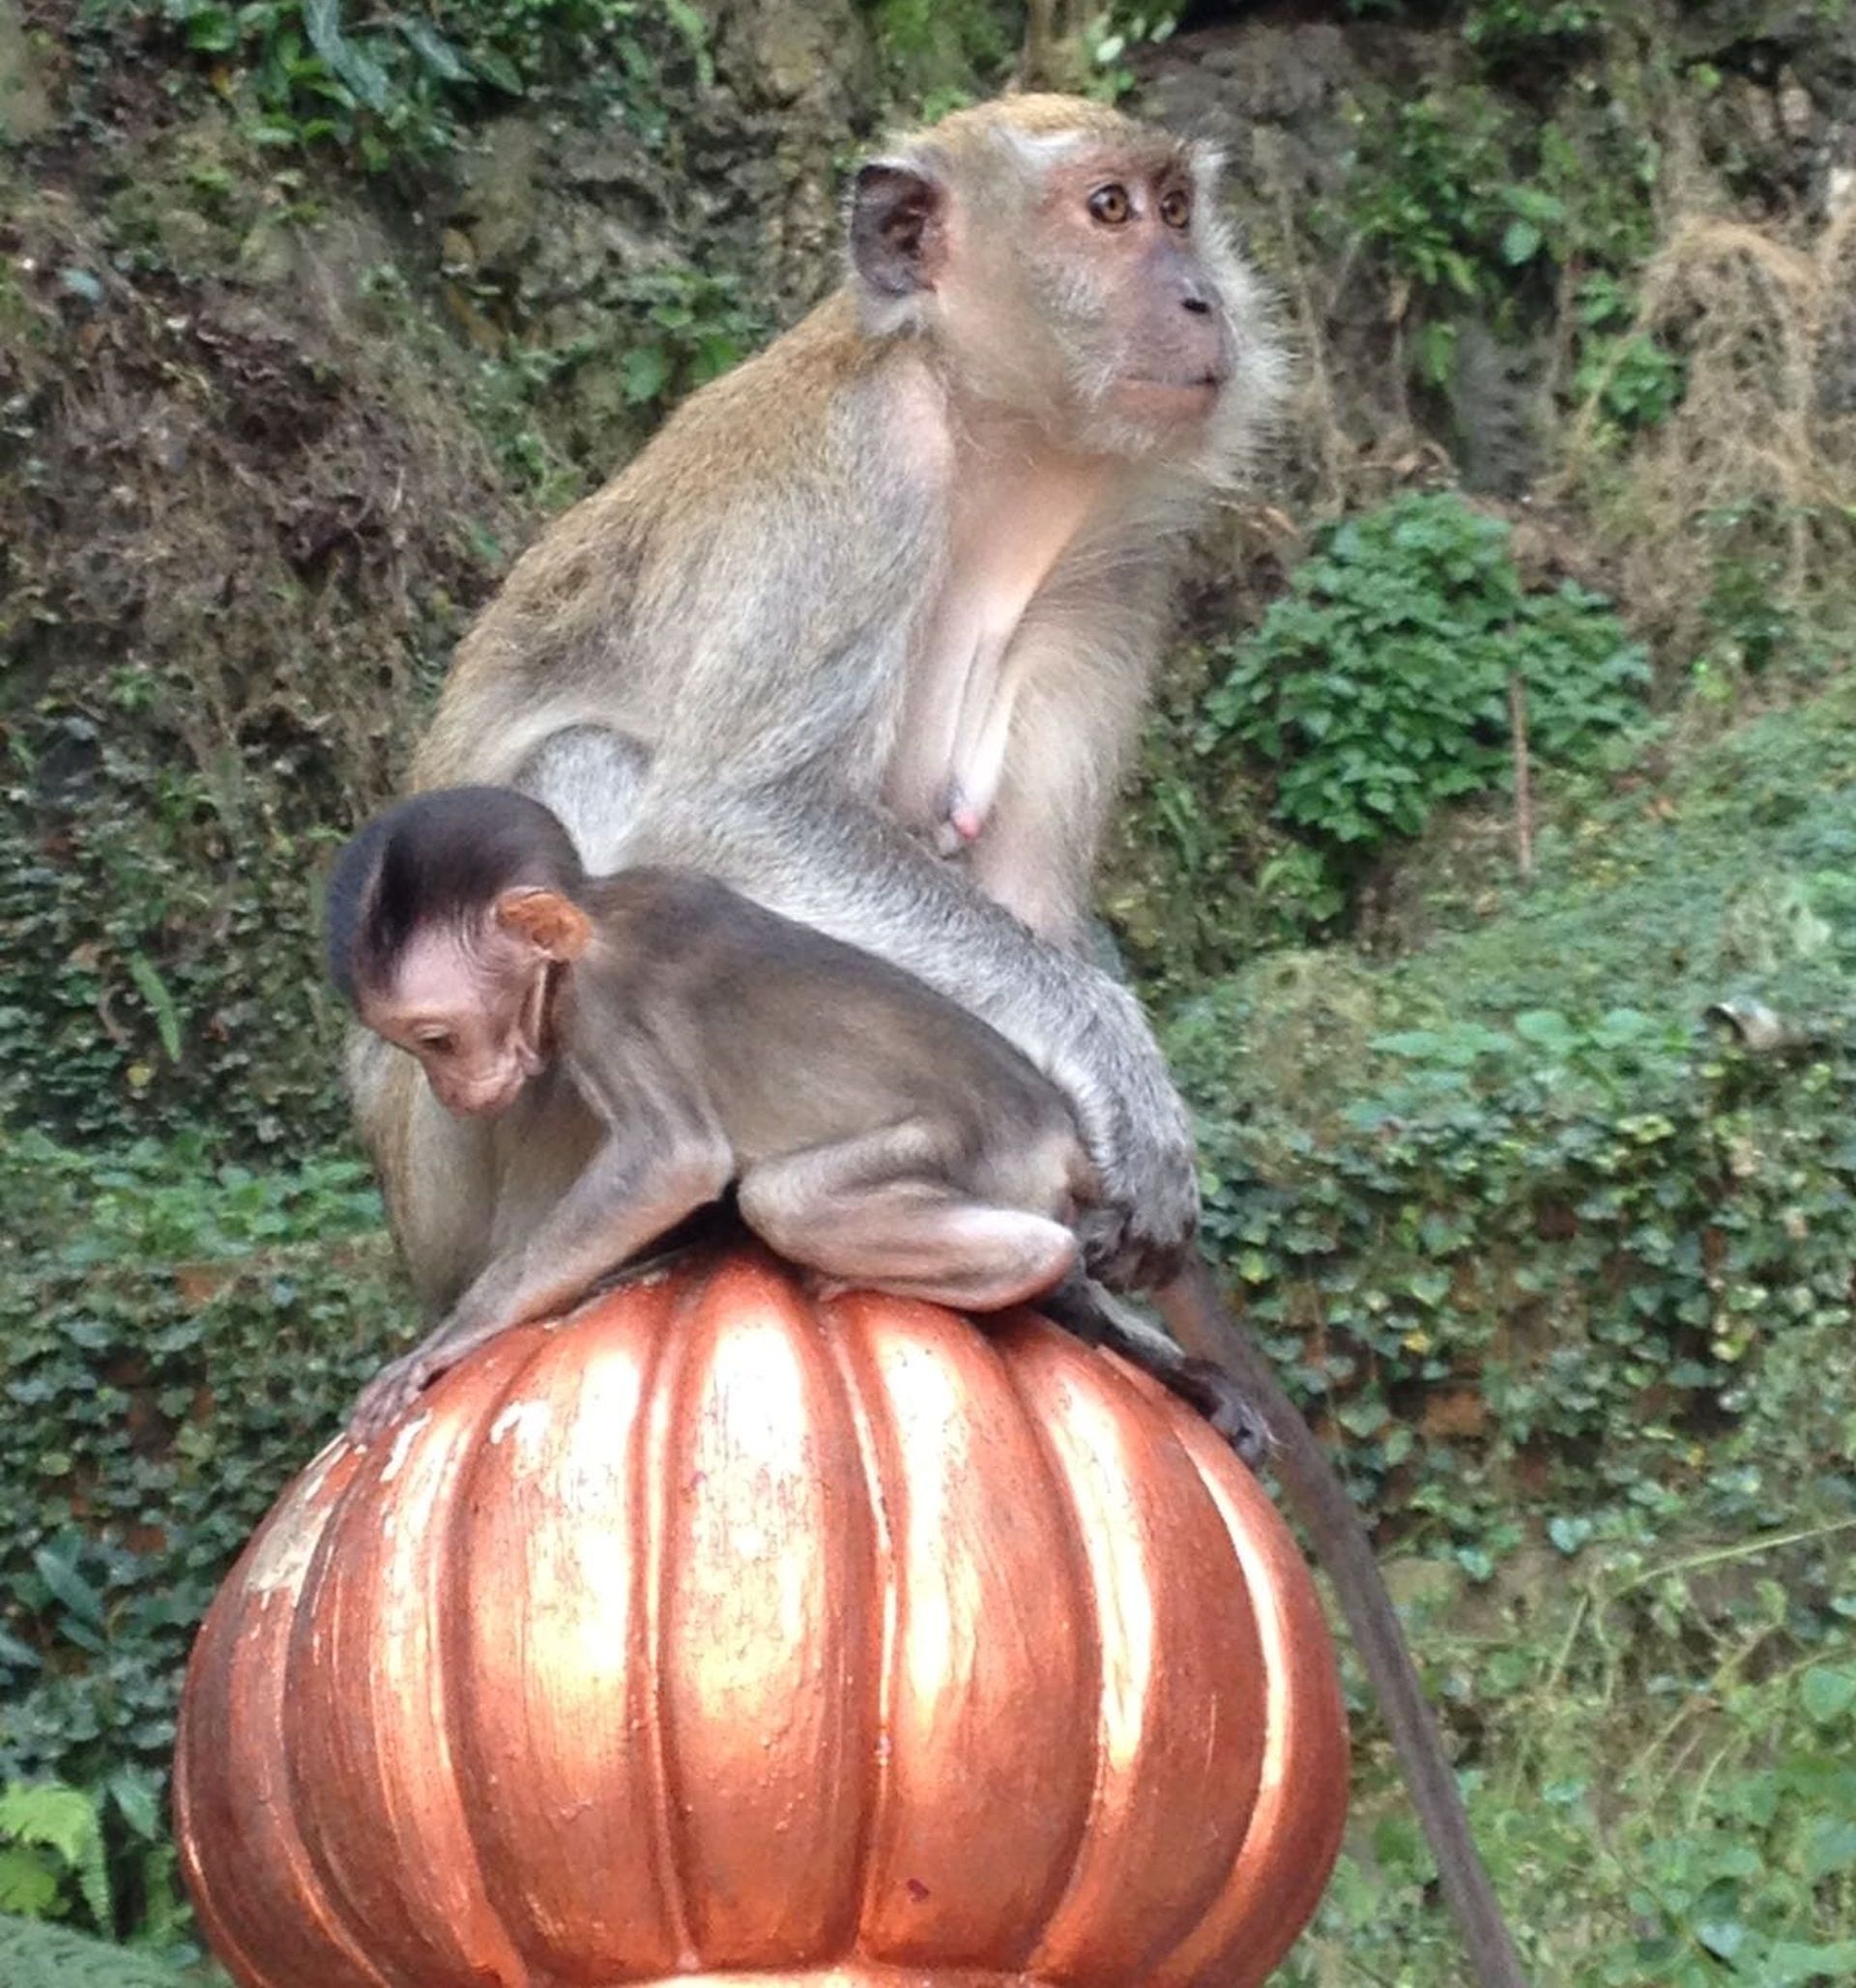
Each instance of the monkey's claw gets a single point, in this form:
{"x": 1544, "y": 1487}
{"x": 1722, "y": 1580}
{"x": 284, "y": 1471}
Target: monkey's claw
{"x": 391, "y": 1392}
{"x": 1220, "y": 1401}
{"x": 1139, "y": 1138}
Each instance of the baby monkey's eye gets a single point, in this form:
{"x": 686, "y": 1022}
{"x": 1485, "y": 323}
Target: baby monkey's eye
{"x": 440, "y": 1040}
{"x": 1111, "y": 205}
{"x": 1176, "y": 208}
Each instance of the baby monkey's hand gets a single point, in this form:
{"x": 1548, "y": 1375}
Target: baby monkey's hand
{"x": 398, "y": 1384}
{"x": 391, "y": 1392}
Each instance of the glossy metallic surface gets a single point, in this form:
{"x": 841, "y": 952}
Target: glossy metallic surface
{"x": 722, "y": 1638}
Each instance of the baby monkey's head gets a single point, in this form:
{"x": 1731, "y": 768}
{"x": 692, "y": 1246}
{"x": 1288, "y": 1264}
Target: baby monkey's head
{"x": 451, "y": 916}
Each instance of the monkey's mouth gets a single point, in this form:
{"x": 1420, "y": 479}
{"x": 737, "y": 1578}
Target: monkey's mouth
{"x": 1177, "y": 396}
{"x": 483, "y": 1100}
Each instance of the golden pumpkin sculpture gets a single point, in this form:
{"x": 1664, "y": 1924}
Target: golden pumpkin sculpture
{"x": 722, "y": 1636}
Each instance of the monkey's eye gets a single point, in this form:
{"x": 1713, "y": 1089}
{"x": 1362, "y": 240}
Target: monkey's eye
{"x": 1111, "y": 205}
{"x": 440, "y": 1041}
{"x": 1176, "y": 208}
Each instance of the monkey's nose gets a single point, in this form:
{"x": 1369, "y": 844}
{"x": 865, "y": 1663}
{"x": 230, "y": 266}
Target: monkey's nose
{"x": 1200, "y": 306}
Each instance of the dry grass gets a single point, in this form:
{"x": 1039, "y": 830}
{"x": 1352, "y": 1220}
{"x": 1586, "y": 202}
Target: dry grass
{"x": 1763, "y": 435}
{"x": 1753, "y": 473}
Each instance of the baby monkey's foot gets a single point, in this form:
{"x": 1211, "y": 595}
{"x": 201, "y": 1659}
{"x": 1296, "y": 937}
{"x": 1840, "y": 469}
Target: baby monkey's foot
{"x": 1101, "y": 1319}
{"x": 1209, "y": 1389}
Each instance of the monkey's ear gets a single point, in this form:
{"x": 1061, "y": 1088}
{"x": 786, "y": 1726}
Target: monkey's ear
{"x": 898, "y": 233}
{"x": 555, "y": 926}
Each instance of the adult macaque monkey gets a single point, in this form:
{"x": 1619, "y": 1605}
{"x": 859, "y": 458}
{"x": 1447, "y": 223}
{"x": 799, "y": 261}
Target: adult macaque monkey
{"x": 770, "y": 649}
{"x": 875, "y": 1131}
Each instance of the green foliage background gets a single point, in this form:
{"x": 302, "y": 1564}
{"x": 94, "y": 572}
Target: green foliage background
{"x": 309, "y": 317}
{"x": 1378, "y": 684}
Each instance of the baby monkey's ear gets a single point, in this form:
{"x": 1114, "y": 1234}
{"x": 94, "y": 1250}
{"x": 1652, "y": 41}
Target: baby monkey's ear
{"x": 555, "y": 926}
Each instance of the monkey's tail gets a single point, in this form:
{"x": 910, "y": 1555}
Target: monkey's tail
{"x": 1195, "y": 1308}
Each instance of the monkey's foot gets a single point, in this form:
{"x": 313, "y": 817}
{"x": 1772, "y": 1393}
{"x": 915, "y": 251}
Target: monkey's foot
{"x": 391, "y": 1392}
{"x": 1211, "y": 1391}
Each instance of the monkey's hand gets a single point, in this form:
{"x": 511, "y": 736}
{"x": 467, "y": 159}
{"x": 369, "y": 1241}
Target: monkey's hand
{"x": 391, "y": 1392}
{"x": 1139, "y": 1135}
{"x": 398, "y": 1384}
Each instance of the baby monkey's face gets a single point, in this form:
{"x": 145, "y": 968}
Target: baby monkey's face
{"x": 472, "y": 1007}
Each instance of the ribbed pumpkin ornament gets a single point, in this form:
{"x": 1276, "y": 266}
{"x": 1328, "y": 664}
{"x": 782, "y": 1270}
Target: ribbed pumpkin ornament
{"x": 725, "y": 1636}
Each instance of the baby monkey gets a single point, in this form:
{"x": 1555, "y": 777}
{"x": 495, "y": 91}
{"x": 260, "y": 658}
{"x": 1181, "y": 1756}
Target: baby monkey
{"x": 875, "y": 1131}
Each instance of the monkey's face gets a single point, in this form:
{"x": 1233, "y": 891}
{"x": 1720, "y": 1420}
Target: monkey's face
{"x": 1071, "y": 267}
{"x": 1112, "y": 306}
{"x": 472, "y": 1007}
{"x": 1141, "y": 325}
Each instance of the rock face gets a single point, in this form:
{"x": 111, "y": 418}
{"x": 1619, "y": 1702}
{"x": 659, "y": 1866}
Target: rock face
{"x": 272, "y": 432}
{"x": 746, "y": 184}
{"x": 803, "y": 75}
{"x": 1769, "y": 121}
{"x": 25, "y": 103}
{"x": 560, "y": 235}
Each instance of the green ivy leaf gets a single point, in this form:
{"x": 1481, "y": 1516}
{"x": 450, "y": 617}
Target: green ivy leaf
{"x": 1722, "y": 1938}
{"x": 28, "y": 1884}
{"x": 137, "y": 1795}
{"x": 1790, "y": 1960}
{"x": 154, "y": 989}
{"x": 54, "y": 1817}
{"x": 69, "y": 1587}
{"x": 1829, "y": 1692}
{"x": 21, "y": 1655}
{"x": 645, "y": 373}
{"x": 498, "y": 68}
{"x": 1830, "y": 1847}
{"x": 1363, "y": 1415}
{"x": 346, "y": 59}
{"x": 1519, "y": 242}
{"x": 1546, "y": 1028}
{"x": 1478, "y": 1564}
{"x": 440, "y": 58}
{"x": 1568, "y": 1535}
{"x": 688, "y": 21}
{"x": 211, "y": 30}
